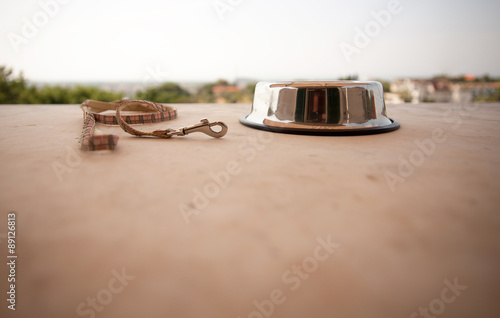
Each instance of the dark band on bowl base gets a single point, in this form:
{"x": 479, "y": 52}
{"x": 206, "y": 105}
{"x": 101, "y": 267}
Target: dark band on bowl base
{"x": 341, "y": 131}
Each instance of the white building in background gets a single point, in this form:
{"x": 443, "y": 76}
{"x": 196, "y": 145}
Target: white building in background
{"x": 440, "y": 91}
{"x": 421, "y": 91}
{"x": 393, "y": 98}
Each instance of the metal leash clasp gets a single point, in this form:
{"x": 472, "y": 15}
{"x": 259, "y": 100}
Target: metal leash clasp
{"x": 204, "y": 126}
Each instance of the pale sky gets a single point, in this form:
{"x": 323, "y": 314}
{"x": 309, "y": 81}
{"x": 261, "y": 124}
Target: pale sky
{"x": 120, "y": 40}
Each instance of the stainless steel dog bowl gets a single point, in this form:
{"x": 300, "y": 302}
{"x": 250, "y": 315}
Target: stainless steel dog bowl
{"x": 320, "y": 108}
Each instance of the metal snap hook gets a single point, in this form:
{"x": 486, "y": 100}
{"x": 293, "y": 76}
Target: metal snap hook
{"x": 205, "y": 126}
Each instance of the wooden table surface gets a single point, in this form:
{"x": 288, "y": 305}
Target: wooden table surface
{"x": 256, "y": 224}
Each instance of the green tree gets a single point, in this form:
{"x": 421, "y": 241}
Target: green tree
{"x": 12, "y": 89}
{"x": 80, "y": 93}
{"x": 53, "y": 95}
{"x": 15, "y": 90}
{"x": 29, "y": 96}
{"x": 491, "y": 96}
{"x": 351, "y": 77}
{"x": 205, "y": 94}
{"x": 75, "y": 95}
{"x": 165, "y": 93}
{"x": 406, "y": 96}
{"x": 247, "y": 93}
{"x": 485, "y": 78}
{"x": 385, "y": 84}
{"x": 222, "y": 82}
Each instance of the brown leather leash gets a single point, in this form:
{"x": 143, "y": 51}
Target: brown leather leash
{"x": 150, "y": 113}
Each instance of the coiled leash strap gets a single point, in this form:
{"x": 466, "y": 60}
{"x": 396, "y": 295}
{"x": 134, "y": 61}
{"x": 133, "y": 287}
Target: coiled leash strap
{"x": 152, "y": 113}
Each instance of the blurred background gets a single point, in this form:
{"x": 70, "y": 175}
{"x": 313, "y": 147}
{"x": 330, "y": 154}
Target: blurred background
{"x": 66, "y": 51}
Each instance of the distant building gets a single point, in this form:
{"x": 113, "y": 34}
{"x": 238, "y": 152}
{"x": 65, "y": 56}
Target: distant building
{"x": 441, "y": 90}
{"x": 225, "y": 89}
